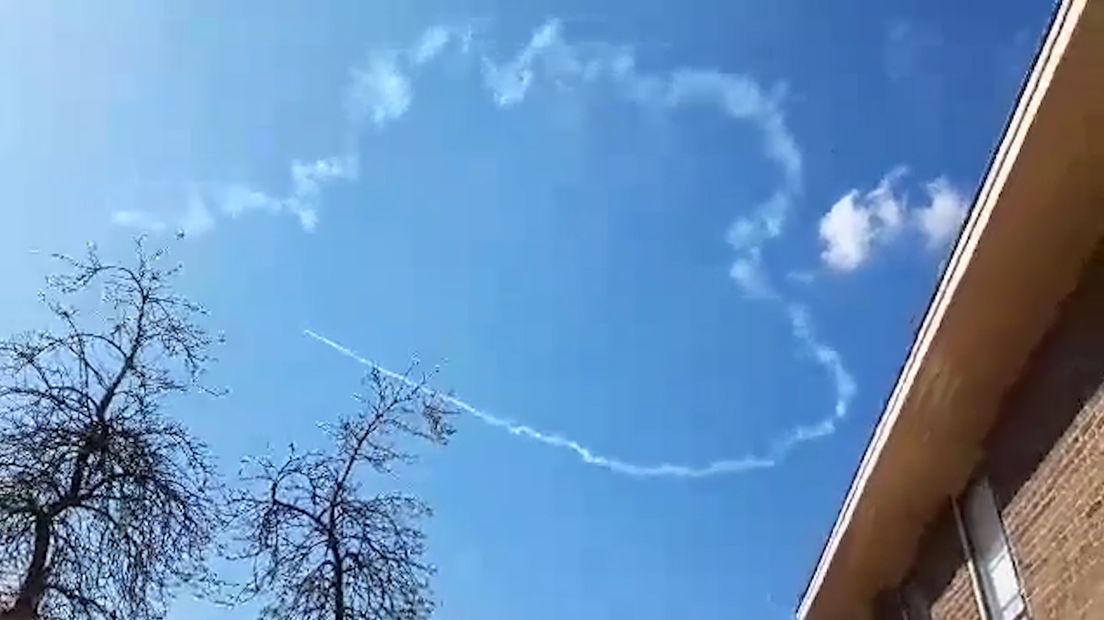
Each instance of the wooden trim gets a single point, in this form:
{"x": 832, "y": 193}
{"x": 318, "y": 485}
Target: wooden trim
{"x": 968, "y": 553}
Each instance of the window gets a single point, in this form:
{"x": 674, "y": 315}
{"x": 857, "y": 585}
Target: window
{"x": 988, "y": 546}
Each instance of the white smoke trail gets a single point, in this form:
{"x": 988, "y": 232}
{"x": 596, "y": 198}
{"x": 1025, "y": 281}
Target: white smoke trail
{"x": 746, "y": 463}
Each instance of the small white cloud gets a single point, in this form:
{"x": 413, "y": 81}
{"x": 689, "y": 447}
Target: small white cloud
{"x": 747, "y": 272}
{"x": 308, "y": 218}
{"x": 547, "y": 34}
{"x": 509, "y": 82}
{"x": 430, "y": 44}
{"x": 940, "y": 220}
{"x": 379, "y": 93}
{"x": 238, "y": 200}
{"x": 138, "y": 220}
{"x": 308, "y": 177}
{"x": 846, "y": 232}
{"x": 197, "y": 217}
{"x": 887, "y": 205}
{"x": 307, "y": 181}
{"x": 857, "y": 221}
{"x": 195, "y": 220}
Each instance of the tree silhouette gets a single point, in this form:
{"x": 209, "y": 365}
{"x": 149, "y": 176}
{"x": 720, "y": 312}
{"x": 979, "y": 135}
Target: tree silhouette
{"x": 105, "y": 502}
{"x": 321, "y": 546}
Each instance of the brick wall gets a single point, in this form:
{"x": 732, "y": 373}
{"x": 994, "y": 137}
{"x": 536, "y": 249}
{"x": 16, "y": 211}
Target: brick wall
{"x": 1045, "y": 462}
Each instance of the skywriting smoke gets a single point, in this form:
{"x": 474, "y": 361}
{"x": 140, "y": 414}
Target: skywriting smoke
{"x": 729, "y": 466}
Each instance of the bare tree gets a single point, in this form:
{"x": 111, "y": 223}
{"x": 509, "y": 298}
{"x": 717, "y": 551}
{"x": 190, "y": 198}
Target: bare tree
{"x": 105, "y": 502}
{"x": 321, "y": 546}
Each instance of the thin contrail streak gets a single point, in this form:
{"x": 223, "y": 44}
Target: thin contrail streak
{"x": 739, "y": 465}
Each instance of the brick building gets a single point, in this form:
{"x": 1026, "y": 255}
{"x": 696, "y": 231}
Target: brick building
{"x": 981, "y": 493}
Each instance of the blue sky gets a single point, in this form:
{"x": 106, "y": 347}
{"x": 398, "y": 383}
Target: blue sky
{"x": 670, "y": 255}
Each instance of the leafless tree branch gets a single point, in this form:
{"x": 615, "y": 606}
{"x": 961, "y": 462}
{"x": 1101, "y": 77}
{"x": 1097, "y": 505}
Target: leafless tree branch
{"x": 105, "y": 502}
{"x": 322, "y": 547}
